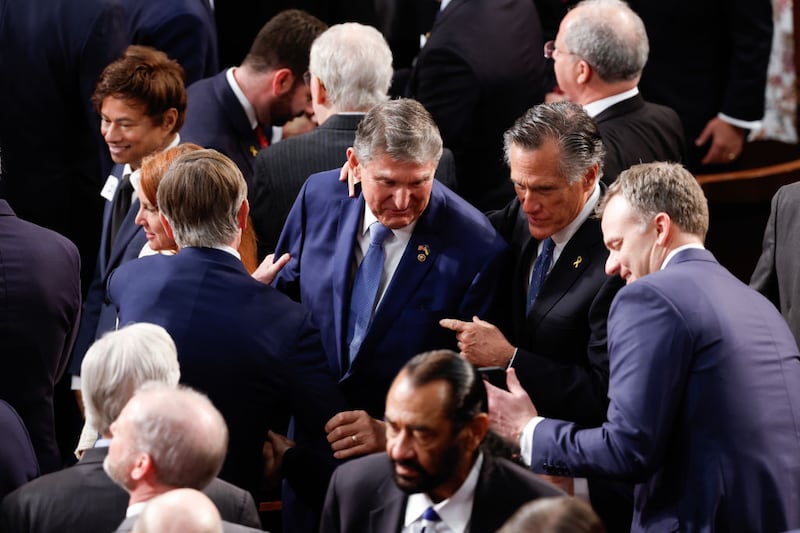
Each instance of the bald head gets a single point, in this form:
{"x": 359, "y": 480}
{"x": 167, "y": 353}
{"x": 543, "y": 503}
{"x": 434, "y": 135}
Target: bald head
{"x": 179, "y": 511}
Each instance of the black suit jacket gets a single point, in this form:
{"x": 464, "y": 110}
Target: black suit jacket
{"x": 635, "y": 131}
{"x": 183, "y": 29}
{"x": 52, "y": 54}
{"x": 480, "y": 69}
{"x": 40, "y": 301}
{"x": 363, "y": 496}
{"x": 777, "y": 274}
{"x": 281, "y": 171}
{"x": 215, "y": 119}
{"x": 83, "y": 498}
{"x": 562, "y": 357}
{"x": 18, "y": 463}
{"x": 719, "y": 63}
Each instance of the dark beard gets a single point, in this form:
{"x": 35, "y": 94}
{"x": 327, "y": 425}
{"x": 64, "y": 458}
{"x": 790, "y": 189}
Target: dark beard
{"x": 427, "y": 481}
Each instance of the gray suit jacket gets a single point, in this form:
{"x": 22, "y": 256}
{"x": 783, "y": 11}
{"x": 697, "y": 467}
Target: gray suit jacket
{"x": 281, "y": 171}
{"x": 777, "y": 274}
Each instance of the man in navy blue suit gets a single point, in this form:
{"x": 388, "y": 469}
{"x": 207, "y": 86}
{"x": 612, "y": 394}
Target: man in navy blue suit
{"x": 142, "y": 103}
{"x": 704, "y": 387}
{"x": 234, "y": 111}
{"x": 247, "y": 346}
{"x": 441, "y": 258}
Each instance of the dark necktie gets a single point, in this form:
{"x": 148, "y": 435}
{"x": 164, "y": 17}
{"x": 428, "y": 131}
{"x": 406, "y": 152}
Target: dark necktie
{"x": 365, "y": 289}
{"x": 261, "y": 137}
{"x": 122, "y": 204}
{"x": 429, "y": 520}
{"x": 540, "y": 268}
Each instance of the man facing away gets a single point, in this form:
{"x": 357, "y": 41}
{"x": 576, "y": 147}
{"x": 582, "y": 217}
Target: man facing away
{"x": 704, "y": 396}
{"x": 434, "y": 472}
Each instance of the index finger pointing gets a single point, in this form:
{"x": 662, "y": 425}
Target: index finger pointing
{"x": 452, "y": 324}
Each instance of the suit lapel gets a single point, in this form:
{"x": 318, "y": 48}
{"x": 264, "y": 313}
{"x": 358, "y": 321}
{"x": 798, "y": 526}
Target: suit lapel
{"x": 127, "y": 231}
{"x": 388, "y": 518}
{"x": 574, "y": 260}
{"x": 105, "y": 248}
{"x": 247, "y": 141}
{"x": 349, "y": 221}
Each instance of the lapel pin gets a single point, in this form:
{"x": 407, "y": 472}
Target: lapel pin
{"x": 424, "y": 250}
{"x": 253, "y": 150}
{"x": 577, "y": 262}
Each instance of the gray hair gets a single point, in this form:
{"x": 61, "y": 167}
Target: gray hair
{"x": 183, "y": 433}
{"x": 562, "y": 514}
{"x": 567, "y": 124}
{"x": 652, "y": 188}
{"x": 200, "y": 196}
{"x": 118, "y": 363}
{"x": 354, "y": 63}
{"x": 401, "y": 129}
{"x": 610, "y": 36}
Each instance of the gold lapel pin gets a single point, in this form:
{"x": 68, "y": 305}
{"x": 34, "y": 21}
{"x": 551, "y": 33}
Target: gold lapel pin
{"x": 577, "y": 262}
{"x": 424, "y": 251}
{"x": 253, "y": 150}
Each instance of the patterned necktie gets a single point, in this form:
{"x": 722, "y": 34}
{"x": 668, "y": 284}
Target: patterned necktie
{"x": 261, "y": 137}
{"x": 429, "y": 520}
{"x": 365, "y": 289}
{"x": 121, "y": 206}
{"x": 540, "y": 268}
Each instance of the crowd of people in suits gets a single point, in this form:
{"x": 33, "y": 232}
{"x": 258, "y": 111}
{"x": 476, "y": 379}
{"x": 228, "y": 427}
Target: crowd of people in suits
{"x": 300, "y": 269}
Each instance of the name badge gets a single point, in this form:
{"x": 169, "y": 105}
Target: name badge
{"x": 110, "y": 188}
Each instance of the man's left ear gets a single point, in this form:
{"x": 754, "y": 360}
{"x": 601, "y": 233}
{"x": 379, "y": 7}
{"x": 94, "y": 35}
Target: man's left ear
{"x": 663, "y": 225}
{"x": 244, "y": 211}
{"x": 282, "y": 81}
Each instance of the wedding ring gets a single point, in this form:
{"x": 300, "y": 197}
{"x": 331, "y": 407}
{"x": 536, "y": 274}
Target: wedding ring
{"x": 731, "y": 156}
{"x": 354, "y": 438}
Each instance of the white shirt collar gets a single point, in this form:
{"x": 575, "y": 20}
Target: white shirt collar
{"x": 135, "y": 509}
{"x": 369, "y": 218}
{"x": 673, "y": 253}
{"x": 561, "y": 238}
{"x": 598, "y": 106}
{"x": 456, "y": 510}
{"x": 245, "y": 103}
{"x": 444, "y": 4}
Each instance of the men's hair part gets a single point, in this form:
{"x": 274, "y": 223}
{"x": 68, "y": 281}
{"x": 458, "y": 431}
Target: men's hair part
{"x": 354, "y": 64}
{"x": 563, "y": 514}
{"x": 466, "y": 391}
{"x": 144, "y": 77}
{"x": 402, "y": 129}
{"x": 653, "y": 188}
{"x": 609, "y": 36}
{"x": 120, "y": 362}
{"x": 284, "y": 42}
{"x": 183, "y": 433}
{"x": 568, "y": 125}
{"x": 200, "y": 196}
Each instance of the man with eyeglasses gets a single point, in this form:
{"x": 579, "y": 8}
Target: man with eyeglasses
{"x": 599, "y": 53}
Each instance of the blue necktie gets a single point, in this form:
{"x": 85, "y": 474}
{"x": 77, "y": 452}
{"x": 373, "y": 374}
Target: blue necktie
{"x": 540, "y": 268}
{"x": 429, "y": 520}
{"x": 365, "y": 289}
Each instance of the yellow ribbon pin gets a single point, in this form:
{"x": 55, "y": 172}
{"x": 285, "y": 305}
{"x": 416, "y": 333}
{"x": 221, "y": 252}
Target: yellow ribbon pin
{"x": 577, "y": 262}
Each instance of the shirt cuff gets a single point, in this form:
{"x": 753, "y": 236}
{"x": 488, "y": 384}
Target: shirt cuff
{"x": 526, "y": 440}
{"x": 513, "y": 356}
{"x": 75, "y": 384}
{"x": 744, "y": 124}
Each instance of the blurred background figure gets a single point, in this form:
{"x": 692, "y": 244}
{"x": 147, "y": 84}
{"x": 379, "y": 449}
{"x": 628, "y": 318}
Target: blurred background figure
{"x": 179, "y": 511}
{"x": 565, "y": 514}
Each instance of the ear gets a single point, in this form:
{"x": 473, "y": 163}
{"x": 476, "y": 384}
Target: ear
{"x": 167, "y": 227}
{"x": 318, "y": 93}
{"x": 476, "y": 431}
{"x": 663, "y": 225}
{"x": 169, "y": 118}
{"x": 589, "y": 179}
{"x": 352, "y": 160}
{"x": 142, "y": 466}
{"x": 244, "y": 211}
{"x": 282, "y": 81}
{"x": 585, "y": 72}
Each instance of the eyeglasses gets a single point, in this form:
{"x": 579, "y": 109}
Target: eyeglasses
{"x": 307, "y": 78}
{"x": 550, "y": 50}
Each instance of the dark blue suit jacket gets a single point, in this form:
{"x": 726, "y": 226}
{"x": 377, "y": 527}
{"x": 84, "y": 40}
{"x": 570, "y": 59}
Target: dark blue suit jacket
{"x": 252, "y": 350}
{"x": 704, "y": 405}
{"x": 449, "y": 269}
{"x": 98, "y": 314}
{"x": 215, "y": 119}
{"x": 183, "y": 29}
{"x": 40, "y": 301}
{"x": 18, "y": 463}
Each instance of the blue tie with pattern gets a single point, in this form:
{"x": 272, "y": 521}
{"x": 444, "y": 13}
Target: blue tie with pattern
{"x": 429, "y": 520}
{"x": 365, "y": 289}
{"x": 540, "y": 268}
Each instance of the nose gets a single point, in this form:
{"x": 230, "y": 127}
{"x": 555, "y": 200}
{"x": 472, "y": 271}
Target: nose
{"x": 399, "y": 446}
{"x": 530, "y": 203}
{"x": 402, "y": 197}
{"x": 139, "y": 220}
{"x": 110, "y": 132}
{"x": 612, "y": 264}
